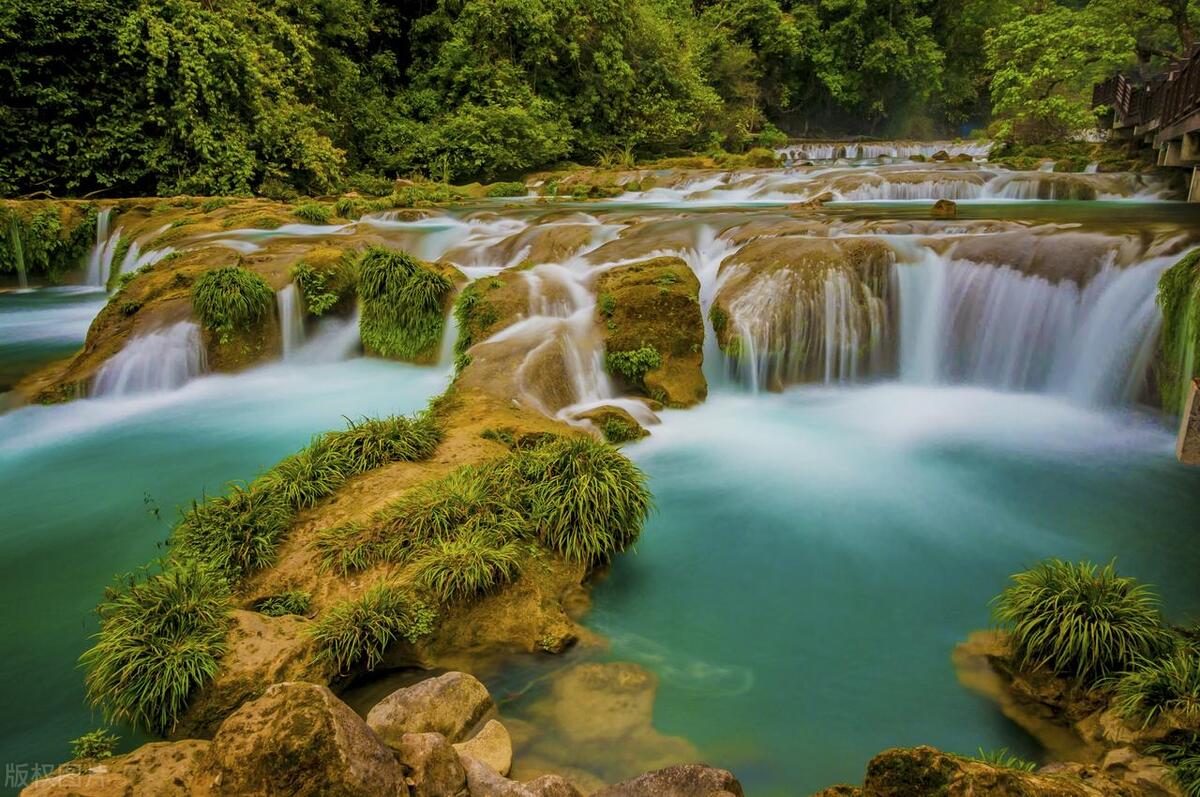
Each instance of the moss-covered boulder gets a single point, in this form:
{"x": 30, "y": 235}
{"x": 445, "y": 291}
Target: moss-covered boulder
{"x": 649, "y": 315}
{"x": 614, "y": 423}
{"x": 487, "y": 306}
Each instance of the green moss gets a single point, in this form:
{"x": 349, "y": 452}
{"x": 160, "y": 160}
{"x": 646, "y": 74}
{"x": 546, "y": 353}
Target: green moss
{"x": 215, "y": 203}
{"x": 719, "y": 319}
{"x": 607, "y": 305}
{"x": 634, "y": 364}
{"x": 231, "y": 299}
{"x": 1179, "y": 299}
{"x": 403, "y": 305}
{"x": 472, "y": 314}
{"x": 313, "y": 212}
{"x": 618, "y": 431}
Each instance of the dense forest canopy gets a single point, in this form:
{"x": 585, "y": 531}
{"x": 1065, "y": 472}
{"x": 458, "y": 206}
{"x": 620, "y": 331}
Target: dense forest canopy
{"x": 236, "y": 96}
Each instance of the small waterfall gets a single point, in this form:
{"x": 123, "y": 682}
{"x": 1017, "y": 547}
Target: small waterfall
{"x": 100, "y": 259}
{"x": 135, "y": 258}
{"x": 17, "y": 247}
{"x": 941, "y": 187}
{"x": 161, "y": 360}
{"x": 333, "y": 340}
{"x": 291, "y": 319}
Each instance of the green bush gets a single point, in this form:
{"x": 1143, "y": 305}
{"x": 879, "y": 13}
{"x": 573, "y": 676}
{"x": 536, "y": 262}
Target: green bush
{"x": 313, "y": 212}
{"x": 1080, "y": 621}
{"x": 39, "y": 244}
{"x": 403, "y": 305}
{"x": 616, "y": 430}
{"x": 368, "y": 443}
{"x": 231, "y": 299}
{"x": 634, "y": 364}
{"x": 1181, "y": 752}
{"x": 100, "y": 743}
{"x": 511, "y": 189}
{"x": 1166, "y": 687}
{"x": 293, "y": 601}
{"x": 467, "y": 566}
{"x": 323, "y": 287}
{"x": 307, "y": 476}
{"x": 357, "y": 632}
{"x": 586, "y": 499}
{"x": 236, "y": 533}
{"x": 160, "y": 638}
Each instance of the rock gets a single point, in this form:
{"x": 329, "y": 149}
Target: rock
{"x": 940, "y": 156}
{"x": 552, "y": 786}
{"x": 492, "y": 745}
{"x": 298, "y": 739}
{"x": 483, "y": 781}
{"x": 945, "y": 209}
{"x": 75, "y": 784}
{"x": 655, "y": 304}
{"x": 431, "y": 766}
{"x": 603, "y": 702}
{"x": 1188, "y": 446}
{"x": 841, "y": 790}
{"x": 450, "y": 704}
{"x": 615, "y": 423}
{"x": 162, "y": 769}
{"x": 262, "y": 650}
{"x": 683, "y": 780}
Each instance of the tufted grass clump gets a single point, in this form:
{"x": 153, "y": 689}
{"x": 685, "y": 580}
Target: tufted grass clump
{"x": 587, "y": 500}
{"x": 368, "y": 443}
{"x": 1080, "y": 621}
{"x": 1181, "y": 752}
{"x": 467, "y": 566}
{"x": 236, "y": 533}
{"x": 307, "y": 476}
{"x": 231, "y": 299}
{"x": 357, "y": 632}
{"x": 403, "y": 304}
{"x": 324, "y": 278}
{"x": 313, "y": 212}
{"x": 634, "y": 364}
{"x": 1003, "y": 759}
{"x": 1166, "y": 687}
{"x": 292, "y": 601}
{"x": 160, "y": 638}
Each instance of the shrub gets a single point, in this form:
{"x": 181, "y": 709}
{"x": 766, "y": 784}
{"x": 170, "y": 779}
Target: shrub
{"x": 100, "y": 743}
{"x": 236, "y": 533}
{"x": 322, "y": 288}
{"x": 160, "y": 638}
{"x": 294, "y": 601}
{"x": 510, "y": 189}
{"x": 467, "y": 566}
{"x": 634, "y": 364}
{"x": 1080, "y": 621}
{"x": 1166, "y": 687}
{"x": 308, "y": 475}
{"x": 586, "y": 499}
{"x": 403, "y": 304}
{"x": 357, "y": 632}
{"x": 231, "y": 299}
{"x": 313, "y": 212}
{"x": 1181, "y": 752}
{"x": 616, "y": 430}
{"x": 347, "y": 548}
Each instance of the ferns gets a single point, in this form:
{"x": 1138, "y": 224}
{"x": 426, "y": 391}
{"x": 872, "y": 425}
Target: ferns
{"x": 231, "y": 299}
{"x": 403, "y": 305}
{"x": 160, "y": 638}
{"x": 357, "y": 632}
{"x": 1080, "y": 621}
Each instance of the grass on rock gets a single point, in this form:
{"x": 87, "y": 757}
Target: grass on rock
{"x": 468, "y": 566}
{"x": 231, "y": 299}
{"x": 293, "y": 601}
{"x": 1166, "y": 687}
{"x": 357, "y": 632}
{"x": 403, "y": 304}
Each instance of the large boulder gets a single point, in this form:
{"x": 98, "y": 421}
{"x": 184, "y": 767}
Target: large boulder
{"x": 298, "y": 739}
{"x": 484, "y": 781}
{"x": 683, "y": 780}
{"x": 451, "y": 704}
{"x": 431, "y": 766}
{"x": 492, "y": 745}
{"x": 162, "y": 769}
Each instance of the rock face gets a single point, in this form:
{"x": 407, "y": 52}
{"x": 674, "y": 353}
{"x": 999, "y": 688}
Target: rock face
{"x": 431, "y": 766}
{"x": 450, "y": 704}
{"x": 299, "y": 739}
{"x": 656, "y": 304}
{"x": 684, "y": 780}
{"x": 1188, "y": 449}
{"x": 162, "y": 769}
{"x": 492, "y": 745}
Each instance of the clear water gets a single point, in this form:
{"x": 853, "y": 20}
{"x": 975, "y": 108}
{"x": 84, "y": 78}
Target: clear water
{"x": 90, "y": 489}
{"x": 39, "y": 326}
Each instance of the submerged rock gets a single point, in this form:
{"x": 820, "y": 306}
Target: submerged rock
{"x": 450, "y": 704}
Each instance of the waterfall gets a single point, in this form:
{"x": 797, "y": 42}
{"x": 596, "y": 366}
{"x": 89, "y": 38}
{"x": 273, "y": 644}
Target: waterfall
{"x": 291, "y": 319}
{"x": 156, "y": 361}
{"x": 18, "y": 250}
{"x": 333, "y": 340}
{"x": 136, "y": 259}
{"x": 973, "y": 323}
{"x": 100, "y": 259}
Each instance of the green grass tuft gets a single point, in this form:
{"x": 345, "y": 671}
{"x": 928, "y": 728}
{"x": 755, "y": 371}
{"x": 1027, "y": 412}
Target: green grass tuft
{"x": 1181, "y": 752}
{"x": 371, "y": 442}
{"x": 308, "y": 475}
{"x": 236, "y": 533}
{"x": 160, "y": 638}
{"x": 634, "y": 364}
{"x": 512, "y": 189}
{"x": 403, "y": 305}
{"x": 293, "y": 601}
{"x": 1080, "y": 621}
{"x": 313, "y": 212}
{"x": 323, "y": 288}
{"x": 467, "y": 566}
{"x": 1003, "y": 759}
{"x": 357, "y": 632}
{"x": 231, "y": 299}
{"x": 1166, "y": 687}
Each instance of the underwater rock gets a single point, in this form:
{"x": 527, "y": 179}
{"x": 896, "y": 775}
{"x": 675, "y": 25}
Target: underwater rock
{"x": 655, "y": 305}
{"x": 298, "y": 739}
{"x": 450, "y": 704}
{"x": 683, "y": 780}
{"x": 431, "y": 766}
{"x": 492, "y": 745}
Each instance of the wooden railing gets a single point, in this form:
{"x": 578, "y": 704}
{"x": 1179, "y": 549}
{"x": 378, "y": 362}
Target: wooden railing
{"x": 1164, "y": 99}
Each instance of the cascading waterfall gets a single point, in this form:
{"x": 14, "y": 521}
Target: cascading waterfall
{"x": 291, "y": 319}
{"x": 100, "y": 259}
{"x": 152, "y": 362}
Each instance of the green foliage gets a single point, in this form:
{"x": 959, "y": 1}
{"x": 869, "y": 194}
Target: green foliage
{"x": 293, "y": 601}
{"x": 515, "y": 189}
{"x": 307, "y": 476}
{"x": 100, "y": 743}
{"x": 467, "y": 566}
{"x": 1080, "y": 621}
{"x": 1179, "y": 342}
{"x": 236, "y": 533}
{"x": 403, "y": 304}
{"x": 372, "y": 442}
{"x": 1165, "y": 687}
{"x": 160, "y": 638}
{"x": 231, "y": 299}
{"x": 324, "y": 285}
{"x": 719, "y": 319}
{"x": 40, "y": 245}
{"x": 1003, "y": 759}
{"x": 616, "y": 431}
{"x": 357, "y": 632}
{"x": 633, "y": 364}
{"x": 1181, "y": 752}
{"x": 313, "y": 212}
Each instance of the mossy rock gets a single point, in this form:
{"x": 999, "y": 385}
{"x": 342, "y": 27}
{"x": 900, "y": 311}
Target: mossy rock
{"x": 326, "y": 279}
{"x": 655, "y": 304}
{"x": 615, "y": 424}
{"x": 487, "y": 306}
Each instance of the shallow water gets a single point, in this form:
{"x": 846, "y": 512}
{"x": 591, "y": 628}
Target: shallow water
{"x": 91, "y": 489}
{"x": 38, "y": 326}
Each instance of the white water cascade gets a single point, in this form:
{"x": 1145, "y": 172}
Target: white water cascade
{"x": 100, "y": 259}
{"x": 156, "y": 361}
{"x": 291, "y": 319}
